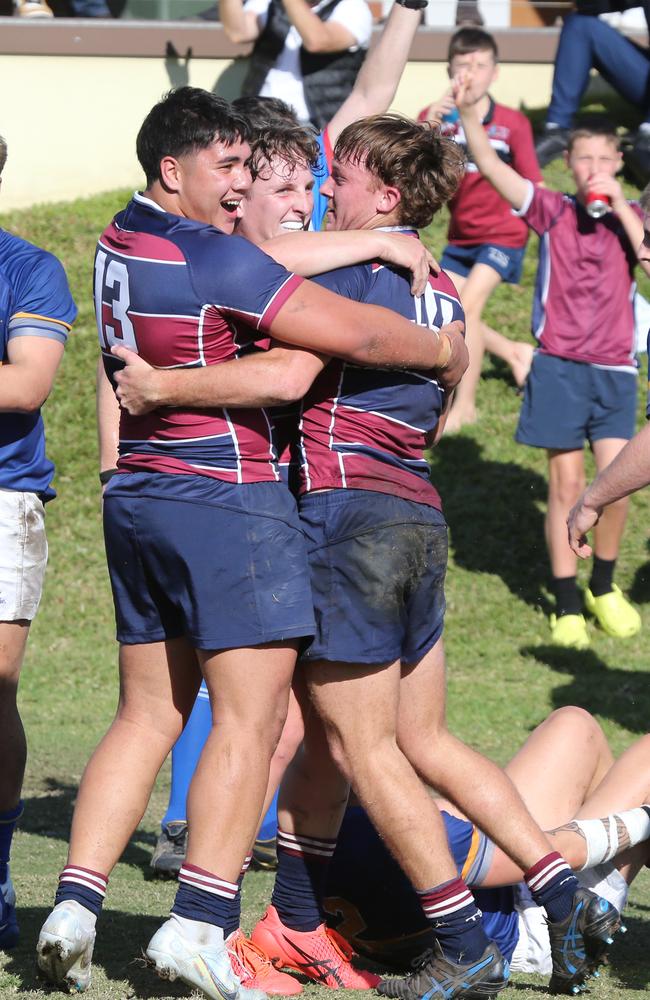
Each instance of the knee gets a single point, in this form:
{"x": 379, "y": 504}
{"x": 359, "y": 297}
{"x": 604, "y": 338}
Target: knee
{"x": 577, "y": 722}
{"x": 565, "y": 489}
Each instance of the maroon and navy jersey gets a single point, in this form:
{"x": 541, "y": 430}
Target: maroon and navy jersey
{"x": 366, "y": 428}
{"x": 478, "y": 213}
{"x": 184, "y": 295}
{"x": 583, "y": 306}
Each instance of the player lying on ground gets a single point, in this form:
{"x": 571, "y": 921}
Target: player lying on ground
{"x": 569, "y": 779}
{"x": 362, "y": 438}
{"x": 197, "y": 503}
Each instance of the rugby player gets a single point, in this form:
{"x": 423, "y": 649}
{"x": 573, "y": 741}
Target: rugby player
{"x": 590, "y": 805}
{"x": 378, "y": 555}
{"x": 198, "y": 514}
{"x": 36, "y": 315}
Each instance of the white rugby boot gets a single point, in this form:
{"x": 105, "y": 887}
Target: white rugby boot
{"x": 65, "y": 946}
{"x": 195, "y": 953}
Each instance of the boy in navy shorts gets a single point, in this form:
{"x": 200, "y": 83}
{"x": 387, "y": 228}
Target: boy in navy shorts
{"x": 582, "y": 384}
{"x": 486, "y": 241}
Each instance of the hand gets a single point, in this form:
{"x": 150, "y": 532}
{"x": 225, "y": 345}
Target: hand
{"x": 409, "y": 253}
{"x": 137, "y": 383}
{"x": 443, "y": 106}
{"x": 458, "y": 357}
{"x": 603, "y": 183}
{"x": 461, "y": 92}
{"x": 581, "y": 519}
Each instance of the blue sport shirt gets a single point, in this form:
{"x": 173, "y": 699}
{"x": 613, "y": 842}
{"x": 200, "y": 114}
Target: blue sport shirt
{"x": 35, "y": 301}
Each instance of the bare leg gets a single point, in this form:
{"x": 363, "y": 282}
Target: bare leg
{"x": 158, "y": 685}
{"x": 474, "y": 292}
{"x": 516, "y": 353}
{"x": 566, "y": 482}
{"x": 359, "y": 707}
{"x": 472, "y": 782}
{"x": 249, "y": 692}
{"x": 609, "y": 530}
{"x": 289, "y": 745}
{"x": 13, "y": 748}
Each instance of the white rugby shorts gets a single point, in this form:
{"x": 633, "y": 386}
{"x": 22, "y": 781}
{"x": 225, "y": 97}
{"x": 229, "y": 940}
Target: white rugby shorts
{"x": 23, "y": 555}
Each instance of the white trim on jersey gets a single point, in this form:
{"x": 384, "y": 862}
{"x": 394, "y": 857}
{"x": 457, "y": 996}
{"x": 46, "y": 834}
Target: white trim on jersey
{"x": 147, "y": 260}
{"x": 383, "y": 416}
{"x": 235, "y": 441}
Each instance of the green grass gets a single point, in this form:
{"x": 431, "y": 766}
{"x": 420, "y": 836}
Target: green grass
{"x": 504, "y": 677}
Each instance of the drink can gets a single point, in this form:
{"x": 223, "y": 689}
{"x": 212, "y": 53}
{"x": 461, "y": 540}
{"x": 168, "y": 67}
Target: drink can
{"x": 452, "y": 116}
{"x": 597, "y": 204}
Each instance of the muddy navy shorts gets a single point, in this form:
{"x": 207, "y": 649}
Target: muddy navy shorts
{"x": 224, "y": 565}
{"x": 378, "y": 567}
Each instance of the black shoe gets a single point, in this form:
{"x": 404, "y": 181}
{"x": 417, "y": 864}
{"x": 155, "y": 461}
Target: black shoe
{"x": 169, "y": 852}
{"x": 438, "y": 977}
{"x": 579, "y": 943}
{"x": 265, "y": 854}
{"x": 551, "y": 144}
{"x": 637, "y": 158}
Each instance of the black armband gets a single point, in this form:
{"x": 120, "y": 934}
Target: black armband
{"x": 413, "y": 4}
{"x": 106, "y": 475}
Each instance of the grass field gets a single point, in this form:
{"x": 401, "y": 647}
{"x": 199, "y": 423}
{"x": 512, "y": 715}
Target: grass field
{"x": 504, "y": 677}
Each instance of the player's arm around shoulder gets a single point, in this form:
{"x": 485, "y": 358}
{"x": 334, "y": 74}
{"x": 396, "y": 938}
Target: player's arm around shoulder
{"x": 509, "y": 184}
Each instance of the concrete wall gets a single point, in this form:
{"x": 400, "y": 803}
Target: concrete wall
{"x": 71, "y": 121}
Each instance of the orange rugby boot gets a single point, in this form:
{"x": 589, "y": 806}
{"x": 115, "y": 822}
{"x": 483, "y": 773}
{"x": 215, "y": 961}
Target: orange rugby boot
{"x": 321, "y": 955}
{"x": 255, "y": 969}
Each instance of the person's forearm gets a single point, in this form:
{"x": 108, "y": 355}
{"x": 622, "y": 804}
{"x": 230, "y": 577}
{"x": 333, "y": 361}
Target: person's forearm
{"x": 629, "y": 472}
{"x": 631, "y": 223}
{"x": 239, "y": 26}
{"x": 258, "y": 380}
{"x": 108, "y": 421}
{"x": 381, "y": 71}
{"x": 314, "y": 253}
{"x": 509, "y": 184}
{"x": 316, "y": 35}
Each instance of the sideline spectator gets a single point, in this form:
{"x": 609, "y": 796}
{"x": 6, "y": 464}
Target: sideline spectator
{"x": 586, "y": 43}
{"x": 486, "y": 241}
{"x": 630, "y": 470}
{"x": 306, "y": 54}
{"x": 36, "y": 313}
{"x": 582, "y": 384}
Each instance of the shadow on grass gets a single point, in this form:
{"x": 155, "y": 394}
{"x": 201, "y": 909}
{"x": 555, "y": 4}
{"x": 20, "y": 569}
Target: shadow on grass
{"x": 121, "y": 940}
{"x": 492, "y": 509}
{"x": 611, "y": 692}
{"x": 49, "y": 814}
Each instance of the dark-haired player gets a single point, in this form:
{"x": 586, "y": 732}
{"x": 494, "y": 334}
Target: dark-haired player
{"x": 205, "y": 550}
{"x": 375, "y": 670}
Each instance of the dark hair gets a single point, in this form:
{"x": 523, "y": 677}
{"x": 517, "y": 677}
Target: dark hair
{"x": 602, "y": 130}
{"x": 264, "y": 112}
{"x": 3, "y": 153}
{"x": 184, "y": 121}
{"x": 471, "y": 39}
{"x": 425, "y": 166}
{"x": 288, "y": 142}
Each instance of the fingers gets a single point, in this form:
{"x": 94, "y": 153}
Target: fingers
{"x": 125, "y": 354}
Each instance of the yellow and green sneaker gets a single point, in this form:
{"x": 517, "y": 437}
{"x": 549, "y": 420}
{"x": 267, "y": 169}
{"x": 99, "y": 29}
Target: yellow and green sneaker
{"x": 614, "y": 613}
{"x": 569, "y": 631}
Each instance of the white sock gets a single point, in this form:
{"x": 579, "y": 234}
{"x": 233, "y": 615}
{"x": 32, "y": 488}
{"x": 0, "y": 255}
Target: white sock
{"x": 607, "y": 837}
{"x": 198, "y": 931}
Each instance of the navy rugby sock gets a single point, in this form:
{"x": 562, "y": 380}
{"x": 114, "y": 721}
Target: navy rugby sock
{"x": 455, "y": 919}
{"x": 84, "y": 886}
{"x": 8, "y": 821}
{"x": 299, "y": 887}
{"x": 203, "y": 896}
{"x": 552, "y": 885}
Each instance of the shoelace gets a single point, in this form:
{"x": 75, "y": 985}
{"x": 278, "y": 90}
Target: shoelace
{"x": 249, "y": 957}
{"x": 340, "y": 945}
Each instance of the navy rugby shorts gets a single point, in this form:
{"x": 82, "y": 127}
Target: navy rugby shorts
{"x": 224, "y": 565}
{"x": 377, "y": 567}
{"x": 568, "y": 402}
